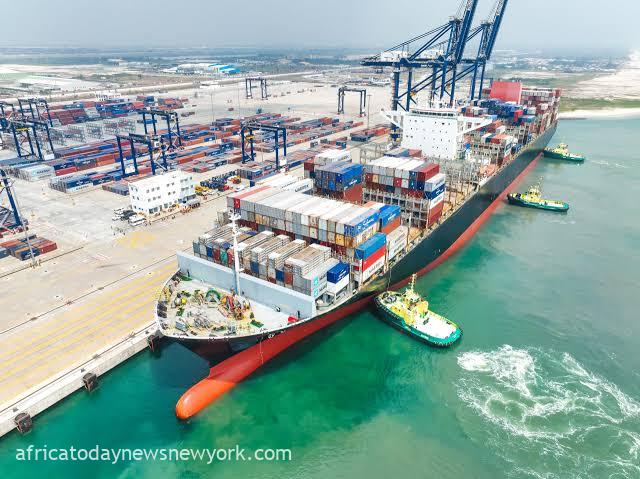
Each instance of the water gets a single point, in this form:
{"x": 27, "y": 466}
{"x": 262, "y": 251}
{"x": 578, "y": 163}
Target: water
{"x": 545, "y": 383}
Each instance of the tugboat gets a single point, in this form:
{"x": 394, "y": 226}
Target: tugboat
{"x": 410, "y": 313}
{"x": 533, "y": 199}
{"x": 561, "y": 152}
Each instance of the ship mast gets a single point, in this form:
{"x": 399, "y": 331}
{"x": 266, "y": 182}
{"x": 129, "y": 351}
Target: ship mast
{"x": 236, "y": 262}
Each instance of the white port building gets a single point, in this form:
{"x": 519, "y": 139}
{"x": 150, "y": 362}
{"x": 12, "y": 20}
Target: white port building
{"x": 159, "y": 192}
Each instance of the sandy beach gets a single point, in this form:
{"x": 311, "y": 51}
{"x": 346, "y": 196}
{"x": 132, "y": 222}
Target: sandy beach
{"x": 604, "y": 113}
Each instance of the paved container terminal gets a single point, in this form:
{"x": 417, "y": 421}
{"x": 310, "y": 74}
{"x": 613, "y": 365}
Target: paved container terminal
{"x": 40, "y": 350}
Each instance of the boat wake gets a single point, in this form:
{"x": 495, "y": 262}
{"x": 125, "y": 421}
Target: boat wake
{"x": 549, "y": 416}
{"x": 612, "y": 165}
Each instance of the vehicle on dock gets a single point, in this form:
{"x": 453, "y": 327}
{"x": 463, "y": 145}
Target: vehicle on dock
{"x": 410, "y": 313}
{"x": 533, "y": 199}
{"x": 561, "y": 152}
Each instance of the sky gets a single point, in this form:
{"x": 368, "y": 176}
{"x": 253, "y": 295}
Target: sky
{"x": 580, "y": 25}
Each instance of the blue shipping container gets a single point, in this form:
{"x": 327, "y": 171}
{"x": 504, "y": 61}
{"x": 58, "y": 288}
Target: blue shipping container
{"x": 279, "y": 275}
{"x": 339, "y": 271}
{"x": 370, "y": 246}
{"x": 389, "y": 213}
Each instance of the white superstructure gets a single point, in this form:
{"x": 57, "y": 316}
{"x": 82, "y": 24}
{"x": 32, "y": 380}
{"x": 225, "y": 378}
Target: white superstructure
{"x": 438, "y": 132}
{"x": 160, "y": 192}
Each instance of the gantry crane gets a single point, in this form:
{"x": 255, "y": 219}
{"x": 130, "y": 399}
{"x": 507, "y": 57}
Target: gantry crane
{"x": 24, "y": 125}
{"x": 248, "y": 87}
{"x": 363, "y": 97}
{"x": 442, "y": 51}
{"x": 253, "y": 126}
{"x": 171, "y": 118}
{"x": 152, "y": 142}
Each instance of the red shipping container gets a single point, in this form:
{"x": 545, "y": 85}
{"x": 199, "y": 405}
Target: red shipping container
{"x": 288, "y": 278}
{"x": 392, "y": 225}
{"x": 397, "y": 182}
{"x": 506, "y": 90}
{"x": 428, "y": 171}
{"x": 66, "y": 171}
{"x": 373, "y": 258}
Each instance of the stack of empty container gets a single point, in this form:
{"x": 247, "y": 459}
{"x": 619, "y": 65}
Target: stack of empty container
{"x": 397, "y": 242}
{"x": 288, "y": 183}
{"x": 306, "y": 271}
{"x": 276, "y": 259}
{"x": 259, "y": 255}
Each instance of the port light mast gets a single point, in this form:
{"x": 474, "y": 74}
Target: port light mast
{"x": 236, "y": 262}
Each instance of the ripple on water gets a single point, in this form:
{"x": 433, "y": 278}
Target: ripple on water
{"x": 547, "y": 411}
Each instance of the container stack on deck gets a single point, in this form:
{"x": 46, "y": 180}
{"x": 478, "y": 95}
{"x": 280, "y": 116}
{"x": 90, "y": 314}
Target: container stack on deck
{"x": 340, "y": 180}
{"x": 517, "y": 115}
{"x": 276, "y": 259}
{"x": 340, "y": 226}
{"x": 414, "y": 185}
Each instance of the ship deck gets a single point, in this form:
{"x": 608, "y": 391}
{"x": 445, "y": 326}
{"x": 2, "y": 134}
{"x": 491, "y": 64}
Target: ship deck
{"x": 198, "y": 317}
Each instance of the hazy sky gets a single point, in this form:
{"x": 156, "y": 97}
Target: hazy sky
{"x": 539, "y": 24}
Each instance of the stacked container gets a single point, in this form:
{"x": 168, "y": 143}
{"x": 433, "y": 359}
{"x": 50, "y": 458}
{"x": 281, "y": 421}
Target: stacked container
{"x": 403, "y": 181}
{"x": 275, "y": 260}
{"x": 338, "y": 278}
{"x": 339, "y": 180}
{"x": 370, "y": 257}
{"x": 306, "y": 271}
{"x": 397, "y": 241}
{"x": 258, "y": 266}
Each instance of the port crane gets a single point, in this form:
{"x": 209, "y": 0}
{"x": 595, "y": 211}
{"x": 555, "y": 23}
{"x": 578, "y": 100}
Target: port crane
{"x": 252, "y": 126}
{"x": 25, "y": 125}
{"x": 152, "y": 142}
{"x": 363, "y": 97}
{"x": 248, "y": 87}
{"x": 440, "y": 50}
{"x": 6, "y": 185}
{"x": 171, "y": 118}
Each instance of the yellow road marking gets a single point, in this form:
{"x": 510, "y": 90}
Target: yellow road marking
{"x": 78, "y": 340}
{"x": 150, "y": 283}
{"x": 95, "y": 305}
{"x": 33, "y": 371}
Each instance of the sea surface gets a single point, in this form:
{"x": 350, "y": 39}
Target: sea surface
{"x": 544, "y": 384}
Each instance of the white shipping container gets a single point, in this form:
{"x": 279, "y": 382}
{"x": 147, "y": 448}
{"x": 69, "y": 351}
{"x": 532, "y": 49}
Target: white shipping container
{"x": 373, "y": 268}
{"x": 335, "y": 288}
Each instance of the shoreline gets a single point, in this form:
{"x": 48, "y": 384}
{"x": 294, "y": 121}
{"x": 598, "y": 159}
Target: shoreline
{"x": 601, "y": 113}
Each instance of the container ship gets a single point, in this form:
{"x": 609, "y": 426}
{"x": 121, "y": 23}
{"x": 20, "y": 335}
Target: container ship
{"x": 292, "y": 252}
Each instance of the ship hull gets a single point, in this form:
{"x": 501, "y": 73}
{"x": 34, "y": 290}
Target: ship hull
{"x": 452, "y": 231}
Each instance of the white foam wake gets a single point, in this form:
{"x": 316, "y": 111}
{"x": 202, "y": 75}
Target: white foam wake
{"x": 549, "y": 416}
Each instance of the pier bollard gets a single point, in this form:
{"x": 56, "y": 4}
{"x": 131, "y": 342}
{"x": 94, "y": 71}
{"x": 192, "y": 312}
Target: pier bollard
{"x": 90, "y": 381}
{"x": 153, "y": 341}
{"x": 23, "y": 422}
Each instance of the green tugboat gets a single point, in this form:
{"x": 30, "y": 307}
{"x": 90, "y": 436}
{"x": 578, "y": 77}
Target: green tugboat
{"x": 410, "y": 313}
{"x": 561, "y": 152}
{"x": 533, "y": 199}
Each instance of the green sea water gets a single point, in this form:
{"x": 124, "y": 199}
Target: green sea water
{"x": 544, "y": 384}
